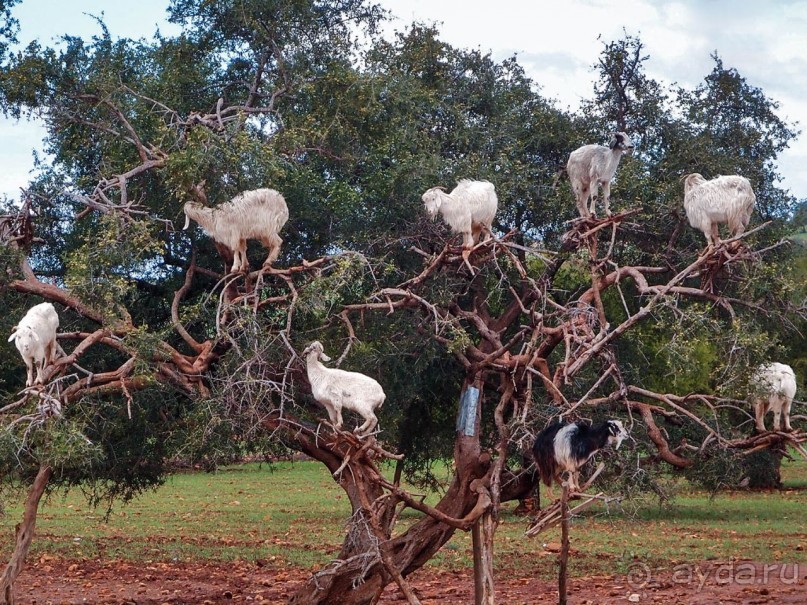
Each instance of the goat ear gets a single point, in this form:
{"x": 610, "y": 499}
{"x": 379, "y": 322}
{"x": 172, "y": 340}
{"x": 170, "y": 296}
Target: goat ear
{"x": 309, "y": 347}
{"x": 616, "y": 139}
{"x": 13, "y": 334}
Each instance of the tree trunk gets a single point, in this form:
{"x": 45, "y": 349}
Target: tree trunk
{"x": 763, "y": 469}
{"x": 359, "y": 576}
{"x": 25, "y": 533}
{"x": 563, "y": 573}
{"x": 483, "y": 533}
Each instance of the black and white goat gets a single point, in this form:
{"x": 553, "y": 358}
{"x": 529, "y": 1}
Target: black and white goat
{"x": 567, "y": 447}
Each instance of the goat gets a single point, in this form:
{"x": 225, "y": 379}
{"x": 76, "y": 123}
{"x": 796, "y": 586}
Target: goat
{"x": 775, "y": 388}
{"x": 35, "y": 338}
{"x": 338, "y": 389}
{"x": 259, "y": 214}
{"x": 593, "y": 165}
{"x": 725, "y": 199}
{"x": 567, "y": 447}
{"x": 468, "y": 209}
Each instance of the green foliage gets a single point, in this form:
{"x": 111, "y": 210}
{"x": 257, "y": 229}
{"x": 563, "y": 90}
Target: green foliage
{"x": 762, "y": 469}
{"x": 349, "y": 279}
{"x": 680, "y": 354}
{"x": 352, "y": 130}
{"x": 625, "y": 475}
{"x": 115, "y": 253}
{"x": 716, "y": 469}
{"x": 9, "y": 263}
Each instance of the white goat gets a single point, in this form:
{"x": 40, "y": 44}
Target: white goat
{"x": 775, "y": 388}
{"x": 593, "y": 165}
{"x": 258, "y": 214}
{"x": 337, "y": 390}
{"x": 35, "y": 338}
{"x": 725, "y": 199}
{"x": 468, "y": 209}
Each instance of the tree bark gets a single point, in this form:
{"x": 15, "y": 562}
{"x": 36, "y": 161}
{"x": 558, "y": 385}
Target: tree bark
{"x": 359, "y": 575}
{"x": 483, "y": 533}
{"x": 25, "y": 533}
{"x": 563, "y": 573}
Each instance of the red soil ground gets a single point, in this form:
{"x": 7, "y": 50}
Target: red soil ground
{"x": 50, "y": 581}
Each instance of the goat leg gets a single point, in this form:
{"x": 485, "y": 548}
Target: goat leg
{"x": 760, "y": 410}
{"x": 466, "y": 254}
{"x": 786, "y": 413}
{"x": 606, "y": 197}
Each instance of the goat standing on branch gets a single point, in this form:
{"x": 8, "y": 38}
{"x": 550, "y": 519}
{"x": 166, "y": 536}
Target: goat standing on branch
{"x": 468, "y": 209}
{"x": 567, "y": 447}
{"x": 338, "y": 389}
{"x": 35, "y": 338}
{"x": 593, "y": 165}
{"x": 259, "y": 214}
{"x": 725, "y": 199}
{"x": 775, "y": 385}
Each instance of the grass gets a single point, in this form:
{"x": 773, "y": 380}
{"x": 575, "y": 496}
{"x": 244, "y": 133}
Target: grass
{"x": 293, "y": 514}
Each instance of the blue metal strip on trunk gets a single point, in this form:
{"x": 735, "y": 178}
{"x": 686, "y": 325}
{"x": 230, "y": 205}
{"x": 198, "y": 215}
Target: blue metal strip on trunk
{"x": 466, "y": 419}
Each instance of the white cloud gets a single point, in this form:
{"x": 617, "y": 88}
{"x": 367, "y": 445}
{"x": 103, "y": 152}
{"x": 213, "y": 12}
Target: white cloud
{"x": 557, "y": 42}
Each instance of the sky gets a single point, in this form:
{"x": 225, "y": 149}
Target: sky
{"x": 557, "y": 42}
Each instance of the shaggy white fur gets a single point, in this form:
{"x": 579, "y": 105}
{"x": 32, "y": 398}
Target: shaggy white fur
{"x": 338, "y": 389}
{"x": 725, "y": 199}
{"x": 35, "y": 338}
{"x": 468, "y": 209}
{"x": 259, "y": 214}
{"x": 775, "y": 388}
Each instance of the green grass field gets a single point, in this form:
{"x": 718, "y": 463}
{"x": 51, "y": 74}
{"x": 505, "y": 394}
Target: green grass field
{"x": 294, "y": 514}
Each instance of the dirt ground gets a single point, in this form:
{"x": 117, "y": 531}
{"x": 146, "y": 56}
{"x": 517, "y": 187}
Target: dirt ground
{"x": 50, "y": 581}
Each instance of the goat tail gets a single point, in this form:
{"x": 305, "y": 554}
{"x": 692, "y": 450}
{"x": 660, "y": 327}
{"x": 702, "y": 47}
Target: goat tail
{"x": 544, "y": 455}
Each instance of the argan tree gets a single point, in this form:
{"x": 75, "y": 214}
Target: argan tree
{"x": 165, "y": 356}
